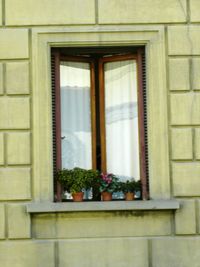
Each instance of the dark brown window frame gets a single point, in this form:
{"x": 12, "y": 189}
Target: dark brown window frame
{"x": 139, "y": 56}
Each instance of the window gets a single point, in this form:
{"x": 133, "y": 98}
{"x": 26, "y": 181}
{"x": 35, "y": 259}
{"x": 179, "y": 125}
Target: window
{"x": 99, "y": 111}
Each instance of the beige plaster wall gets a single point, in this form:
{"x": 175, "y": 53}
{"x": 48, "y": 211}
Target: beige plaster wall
{"x": 140, "y": 239}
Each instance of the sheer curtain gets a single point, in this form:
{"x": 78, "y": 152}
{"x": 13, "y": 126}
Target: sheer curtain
{"x": 122, "y": 141}
{"x": 75, "y": 115}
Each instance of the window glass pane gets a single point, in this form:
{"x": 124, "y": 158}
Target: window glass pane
{"x": 75, "y": 115}
{"x": 121, "y": 109}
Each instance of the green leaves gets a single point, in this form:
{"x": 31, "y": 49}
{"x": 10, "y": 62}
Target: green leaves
{"x": 77, "y": 179}
{"x": 130, "y": 186}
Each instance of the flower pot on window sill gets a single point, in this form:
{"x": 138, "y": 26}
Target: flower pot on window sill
{"x": 106, "y": 196}
{"x": 129, "y": 196}
{"x": 78, "y": 196}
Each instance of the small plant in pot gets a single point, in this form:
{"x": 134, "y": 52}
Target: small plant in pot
{"x": 138, "y": 189}
{"x": 76, "y": 180}
{"x": 129, "y": 188}
{"x": 108, "y": 184}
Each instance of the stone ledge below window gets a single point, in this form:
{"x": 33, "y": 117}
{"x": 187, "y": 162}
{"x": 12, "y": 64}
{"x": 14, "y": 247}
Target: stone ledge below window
{"x": 48, "y": 207}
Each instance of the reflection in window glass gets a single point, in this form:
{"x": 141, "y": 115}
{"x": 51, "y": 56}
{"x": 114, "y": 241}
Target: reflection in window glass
{"x": 75, "y": 115}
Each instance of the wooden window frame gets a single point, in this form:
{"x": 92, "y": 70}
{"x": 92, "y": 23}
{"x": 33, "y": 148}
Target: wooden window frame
{"x": 141, "y": 118}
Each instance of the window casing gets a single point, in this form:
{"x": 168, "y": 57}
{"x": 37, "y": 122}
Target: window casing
{"x": 153, "y": 37}
{"x": 97, "y": 59}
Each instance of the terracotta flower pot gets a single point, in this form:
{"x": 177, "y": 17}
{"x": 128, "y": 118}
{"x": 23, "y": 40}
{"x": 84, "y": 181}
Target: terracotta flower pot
{"x": 129, "y": 196}
{"x": 78, "y": 197}
{"x": 106, "y": 196}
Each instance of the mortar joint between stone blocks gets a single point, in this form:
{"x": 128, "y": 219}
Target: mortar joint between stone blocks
{"x": 197, "y": 215}
{"x": 6, "y": 221}
{"x": 193, "y": 144}
{"x": 96, "y": 12}
{"x": 149, "y": 244}
{"x": 3, "y": 13}
{"x": 188, "y": 20}
{"x": 5, "y": 150}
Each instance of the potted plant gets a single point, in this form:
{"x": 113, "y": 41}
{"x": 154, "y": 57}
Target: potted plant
{"x": 138, "y": 188}
{"x": 76, "y": 180}
{"x": 108, "y": 184}
{"x": 129, "y": 188}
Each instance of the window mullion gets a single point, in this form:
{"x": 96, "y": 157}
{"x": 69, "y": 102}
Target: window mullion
{"x": 93, "y": 115}
{"x": 102, "y": 116}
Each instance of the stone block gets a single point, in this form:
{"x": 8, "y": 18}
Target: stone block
{"x": 2, "y": 221}
{"x": 185, "y": 109}
{"x": 18, "y": 217}
{"x": 179, "y": 74}
{"x": 94, "y": 225}
{"x": 27, "y": 253}
{"x": 186, "y": 179}
{"x": 44, "y": 225}
{"x": 184, "y": 40}
{"x": 176, "y": 252}
{"x": 181, "y": 144}
{"x": 194, "y": 10}
{"x": 185, "y": 221}
{"x": 16, "y": 37}
{"x": 195, "y": 74}
{"x": 49, "y": 12}
{"x": 14, "y": 113}
{"x": 197, "y": 143}
{"x": 118, "y": 252}
{"x": 1, "y": 149}
{"x": 15, "y": 183}
{"x": 1, "y": 79}
{"x": 18, "y": 148}
{"x": 17, "y": 78}
{"x": 137, "y": 11}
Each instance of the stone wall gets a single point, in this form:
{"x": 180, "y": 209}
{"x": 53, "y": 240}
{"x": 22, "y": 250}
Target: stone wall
{"x": 88, "y": 239}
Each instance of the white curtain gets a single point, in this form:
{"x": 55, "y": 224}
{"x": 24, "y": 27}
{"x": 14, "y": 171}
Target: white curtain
{"x": 122, "y": 143}
{"x": 75, "y": 115}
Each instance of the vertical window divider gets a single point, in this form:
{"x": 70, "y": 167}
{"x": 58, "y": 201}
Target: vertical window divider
{"x": 102, "y": 115}
{"x": 93, "y": 114}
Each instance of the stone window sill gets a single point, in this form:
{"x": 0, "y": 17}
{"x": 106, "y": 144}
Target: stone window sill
{"x": 49, "y": 207}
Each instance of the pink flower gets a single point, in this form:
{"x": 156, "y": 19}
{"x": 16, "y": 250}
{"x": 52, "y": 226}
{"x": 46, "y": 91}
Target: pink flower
{"x": 107, "y": 177}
